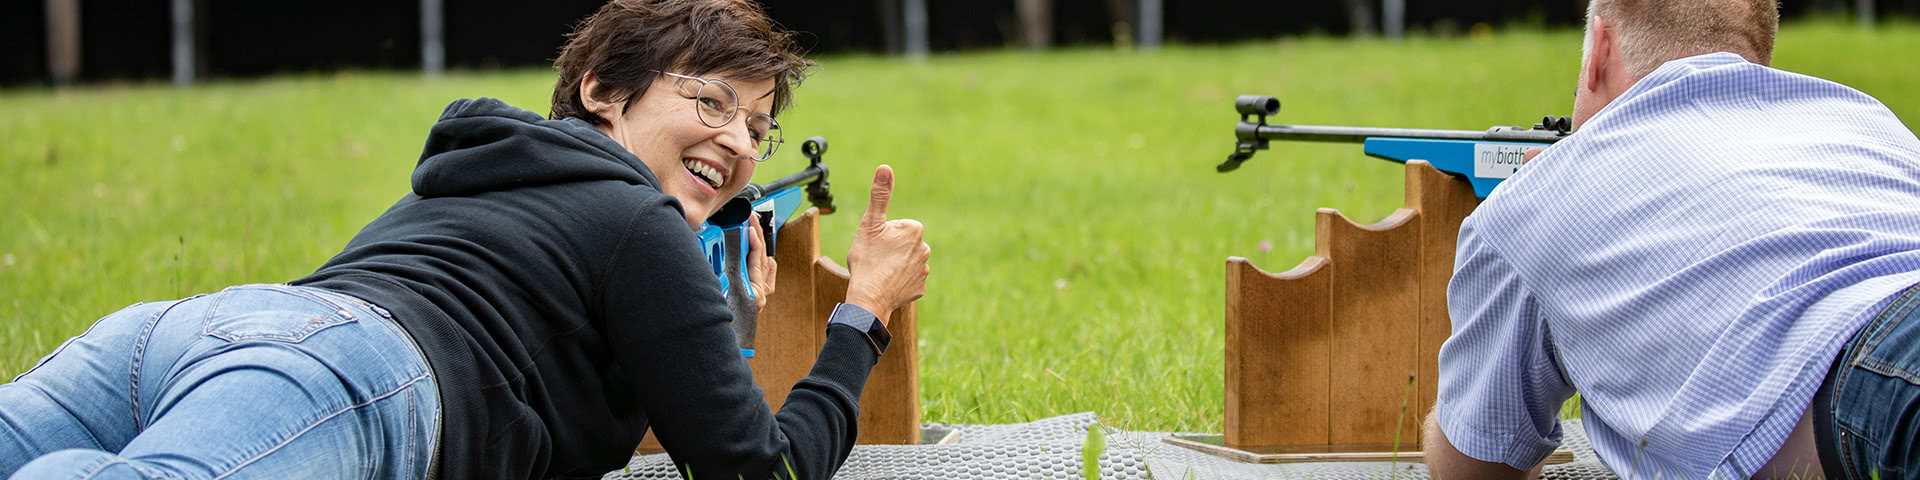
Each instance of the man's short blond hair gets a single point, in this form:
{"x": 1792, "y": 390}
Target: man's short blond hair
{"x": 1653, "y": 32}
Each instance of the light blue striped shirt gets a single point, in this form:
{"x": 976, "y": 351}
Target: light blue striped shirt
{"x": 1691, "y": 260}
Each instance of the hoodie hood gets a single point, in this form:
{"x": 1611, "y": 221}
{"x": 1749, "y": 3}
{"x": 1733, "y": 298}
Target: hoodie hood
{"x": 485, "y": 145}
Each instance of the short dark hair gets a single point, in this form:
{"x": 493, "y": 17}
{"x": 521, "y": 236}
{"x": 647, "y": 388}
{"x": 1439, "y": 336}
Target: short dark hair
{"x": 627, "y": 40}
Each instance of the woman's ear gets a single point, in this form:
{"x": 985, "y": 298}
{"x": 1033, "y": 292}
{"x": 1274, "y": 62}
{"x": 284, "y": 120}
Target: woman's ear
{"x": 590, "y": 98}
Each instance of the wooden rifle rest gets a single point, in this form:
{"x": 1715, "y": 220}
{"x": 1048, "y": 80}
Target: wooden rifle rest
{"x": 1320, "y": 355}
{"x": 793, "y": 327}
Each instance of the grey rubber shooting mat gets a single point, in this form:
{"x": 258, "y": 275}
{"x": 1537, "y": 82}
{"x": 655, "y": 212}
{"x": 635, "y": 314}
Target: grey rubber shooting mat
{"x": 1050, "y": 449}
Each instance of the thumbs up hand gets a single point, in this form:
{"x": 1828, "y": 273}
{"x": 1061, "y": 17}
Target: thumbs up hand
{"x": 888, "y": 260}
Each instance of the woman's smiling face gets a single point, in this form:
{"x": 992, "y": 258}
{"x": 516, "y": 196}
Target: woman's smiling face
{"x": 701, "y": 166}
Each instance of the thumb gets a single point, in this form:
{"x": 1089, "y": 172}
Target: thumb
{"x": 1528, "y": 157}
{"x": 877, "y": 203}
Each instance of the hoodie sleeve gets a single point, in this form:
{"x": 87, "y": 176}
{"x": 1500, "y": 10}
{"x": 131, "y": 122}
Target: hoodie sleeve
{"x": 671, "y": 331}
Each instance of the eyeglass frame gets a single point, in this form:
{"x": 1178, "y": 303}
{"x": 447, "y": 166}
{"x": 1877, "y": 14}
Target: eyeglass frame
{"x": 773, "y": 125}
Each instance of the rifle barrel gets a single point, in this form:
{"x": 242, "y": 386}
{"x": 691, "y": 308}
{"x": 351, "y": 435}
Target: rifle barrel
{"x": 754, "y": 192}
{"x": 1321, "y": 133}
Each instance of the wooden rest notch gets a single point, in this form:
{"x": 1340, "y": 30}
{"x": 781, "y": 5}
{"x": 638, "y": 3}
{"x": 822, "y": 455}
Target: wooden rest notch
{"x": 1323, "y": 354}
{"x": 890, "y": 405}
{"x": 1259, "y": 410}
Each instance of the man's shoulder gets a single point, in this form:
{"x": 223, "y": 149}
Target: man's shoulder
{"x": 1677, "y": 129}
{"x": 1714, "y": 92}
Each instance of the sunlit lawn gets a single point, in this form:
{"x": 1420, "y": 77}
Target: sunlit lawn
{"x": 1078, "y": 225}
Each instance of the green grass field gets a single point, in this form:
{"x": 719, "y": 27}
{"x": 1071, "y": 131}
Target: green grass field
{"x": 1078, "y": 225}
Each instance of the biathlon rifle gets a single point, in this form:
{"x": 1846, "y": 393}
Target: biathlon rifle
{"x": 1483, "y": 158}
{"x": 724, "y": 237}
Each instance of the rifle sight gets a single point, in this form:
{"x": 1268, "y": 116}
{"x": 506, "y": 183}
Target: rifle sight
{"x": 1261, "y": 105}
{"x": 815, "y": 176}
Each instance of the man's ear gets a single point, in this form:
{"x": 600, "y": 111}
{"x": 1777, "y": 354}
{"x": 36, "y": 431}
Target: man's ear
{"x": 1600, "y": 56}
{"x": 590, "y": 98}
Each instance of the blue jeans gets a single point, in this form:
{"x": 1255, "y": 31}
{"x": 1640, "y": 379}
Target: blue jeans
{"x": 1871, "y": 398}
{"x": 257, "y": 381}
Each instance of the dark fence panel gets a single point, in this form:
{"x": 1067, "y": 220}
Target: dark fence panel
{"x": 131, "y": 39}
{"x": 251, "y": 37}
{"x": 502, "y": 33}
{"x": 121, "y": 39}
{"x": 23, "y": 29}
{"x": 1458, "y": 16}
{"x": 823, "y": 26}
{"x": 1226, "y": 21}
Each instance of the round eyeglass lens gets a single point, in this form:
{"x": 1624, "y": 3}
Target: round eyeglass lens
{"x": 717, "y": 103}
{"x": 769, "y": 134}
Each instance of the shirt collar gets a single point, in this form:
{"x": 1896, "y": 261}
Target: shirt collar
{"x": 1677, "y": 69}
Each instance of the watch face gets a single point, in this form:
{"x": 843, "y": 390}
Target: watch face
{"x": 878, "y": 333}
{"x": 867, "y": 323}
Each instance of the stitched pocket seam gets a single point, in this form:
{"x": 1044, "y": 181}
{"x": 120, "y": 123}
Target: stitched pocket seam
{"x": 338, "y": 316}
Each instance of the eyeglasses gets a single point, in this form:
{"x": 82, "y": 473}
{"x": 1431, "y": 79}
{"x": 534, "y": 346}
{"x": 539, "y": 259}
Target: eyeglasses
{"x": 717, "y": 102}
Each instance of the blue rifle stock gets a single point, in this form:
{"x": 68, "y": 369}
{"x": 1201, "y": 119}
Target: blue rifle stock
{"x": 724, "y": 237}
{"x": 1483, "y": 158}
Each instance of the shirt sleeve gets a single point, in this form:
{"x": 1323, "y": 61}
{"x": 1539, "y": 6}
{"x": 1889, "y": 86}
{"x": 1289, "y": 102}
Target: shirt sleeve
{"x": 672, "y": 334}
{"x": 1500, "y": 384}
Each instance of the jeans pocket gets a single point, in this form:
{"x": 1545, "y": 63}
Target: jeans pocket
{"x": 269, "y": 313}
{"x": 1877, "y": 399}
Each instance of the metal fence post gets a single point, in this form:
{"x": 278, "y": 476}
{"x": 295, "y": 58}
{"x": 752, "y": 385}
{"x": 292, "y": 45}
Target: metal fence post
{"x": 1150, "y": 25}
{"x": 183, "y": 61}
{"x": 433, "y": 49}
{"x": 916, "y": 13}
{"x": 63, "y": 40}
{"x": 1394, "y": 13}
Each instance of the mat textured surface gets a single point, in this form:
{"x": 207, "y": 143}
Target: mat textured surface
{"x": 1050, "y": 449}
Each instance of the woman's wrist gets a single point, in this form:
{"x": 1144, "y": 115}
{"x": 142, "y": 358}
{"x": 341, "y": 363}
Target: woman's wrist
{"x": 872, "y": 306}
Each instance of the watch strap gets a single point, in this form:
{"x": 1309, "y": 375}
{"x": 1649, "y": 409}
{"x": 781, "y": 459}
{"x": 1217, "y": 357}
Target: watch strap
{"x": 864, "y": 321}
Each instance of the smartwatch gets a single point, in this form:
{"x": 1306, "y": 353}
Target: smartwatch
{"x": 860, "y": 319}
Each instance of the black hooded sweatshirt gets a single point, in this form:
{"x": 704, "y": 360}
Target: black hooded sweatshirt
{"x": 564, "y": 307}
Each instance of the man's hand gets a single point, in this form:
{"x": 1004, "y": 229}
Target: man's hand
{"x": 760, "y": 262}
{"x": 1528, "y": 157}
{"x": 888, "y": 261}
